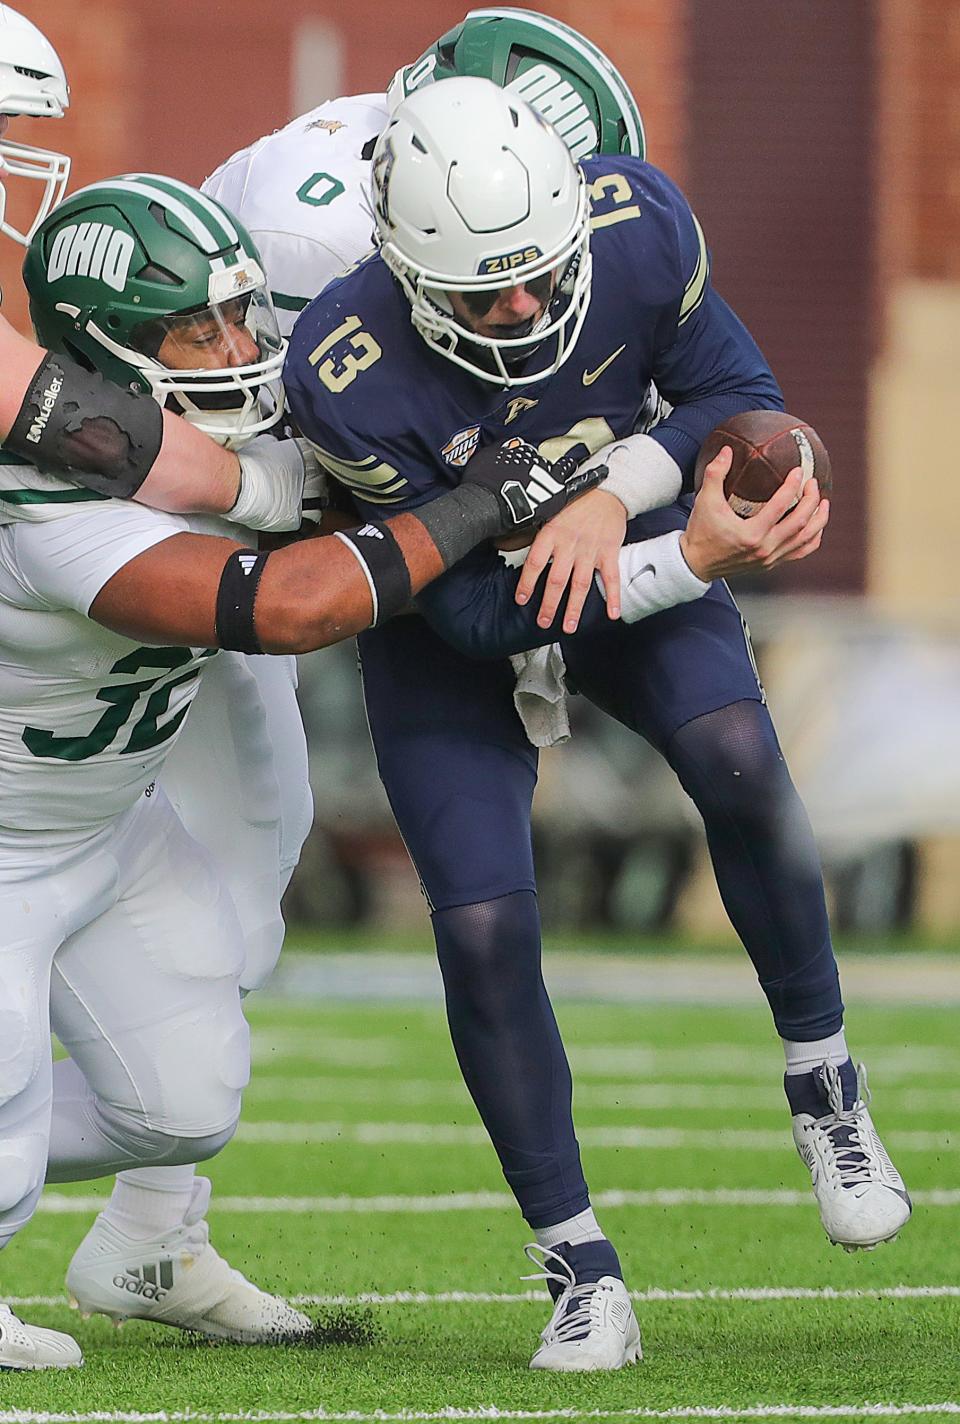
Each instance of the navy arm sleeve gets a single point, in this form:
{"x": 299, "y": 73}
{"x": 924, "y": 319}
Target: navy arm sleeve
{"x": 472, "y": 607}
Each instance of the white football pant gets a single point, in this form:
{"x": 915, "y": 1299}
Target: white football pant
{"x": 128, "y": 942}
{"x": 238, "y": 777}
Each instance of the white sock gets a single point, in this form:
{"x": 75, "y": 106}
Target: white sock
{"x": 148, "y": 1201}
{"x": 582, "y": 1227}
{"x": 804, "y": 1057}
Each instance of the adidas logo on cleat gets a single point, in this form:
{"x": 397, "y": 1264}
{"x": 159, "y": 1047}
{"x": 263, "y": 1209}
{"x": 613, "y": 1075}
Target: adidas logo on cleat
{"x": 148, "y": 1282}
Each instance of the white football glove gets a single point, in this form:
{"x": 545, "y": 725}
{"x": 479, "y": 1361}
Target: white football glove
{"x": 281, "y": 484}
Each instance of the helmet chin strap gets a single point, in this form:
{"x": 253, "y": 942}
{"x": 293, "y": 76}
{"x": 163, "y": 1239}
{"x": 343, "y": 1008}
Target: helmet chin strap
{"x": 518, "y": 330}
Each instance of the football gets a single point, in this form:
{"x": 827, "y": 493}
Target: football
{"x": 766, "y": 445}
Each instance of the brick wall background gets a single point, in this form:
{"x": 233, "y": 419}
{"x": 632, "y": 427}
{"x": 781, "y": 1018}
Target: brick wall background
{"x": 820, "y": 145}
{"x": 176, "y": 87}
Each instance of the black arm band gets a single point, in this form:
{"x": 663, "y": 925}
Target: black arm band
{"x": 75, "y": 424}
{"x": 236, "y": 598}
{"x": 460, "y": 520}
{"x": 384, "y": 567}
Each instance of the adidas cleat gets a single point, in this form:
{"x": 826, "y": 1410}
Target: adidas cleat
{"x": 593, "y": 1326}
{"x": 861, "y": 1195}
{"x": 31, "y": 1347}
{"x": 178, "y": 1279}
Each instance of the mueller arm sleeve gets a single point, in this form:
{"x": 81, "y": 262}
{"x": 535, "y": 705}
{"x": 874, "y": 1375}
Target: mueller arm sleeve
{"x": 80, "y": 426}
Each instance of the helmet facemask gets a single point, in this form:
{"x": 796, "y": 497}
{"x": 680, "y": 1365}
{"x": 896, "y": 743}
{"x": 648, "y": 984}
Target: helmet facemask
{"x": 474, "y": 195}
{"x": 231, "y": 402}
{"x": 39, "y": 165}
{"x": 499, "y": 359}
{"x": 32, "y": 85}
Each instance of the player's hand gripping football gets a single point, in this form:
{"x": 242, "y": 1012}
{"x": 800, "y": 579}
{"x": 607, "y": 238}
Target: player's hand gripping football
{"x": 717, "y": 543}
{"x": 529, "y": 490}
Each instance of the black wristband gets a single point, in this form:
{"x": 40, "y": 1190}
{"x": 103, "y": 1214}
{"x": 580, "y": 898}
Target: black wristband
{"x": 75, "y": 424}
{"x": 236, "y": 598}
{"x": 381, "y": 558}
{"x": 460, "y": 520}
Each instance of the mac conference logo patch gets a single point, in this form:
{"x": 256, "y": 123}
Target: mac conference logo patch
{"x": 461, "y": 446}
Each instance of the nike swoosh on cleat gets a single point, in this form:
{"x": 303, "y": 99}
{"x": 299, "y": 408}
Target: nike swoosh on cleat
{"x": 590, "y": 376}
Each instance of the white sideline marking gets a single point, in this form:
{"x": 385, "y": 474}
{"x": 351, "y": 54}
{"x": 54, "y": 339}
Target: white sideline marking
{"x": 59, "y": 1203}
{"x": 485, "y": 1411}
{"x": 442, "y": 1134}
{"x": 653, "y": 1296}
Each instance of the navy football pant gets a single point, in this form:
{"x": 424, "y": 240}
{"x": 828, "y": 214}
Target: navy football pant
{"x": 460, "y": 776}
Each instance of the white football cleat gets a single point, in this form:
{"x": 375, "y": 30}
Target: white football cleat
{"x": 178, "y": 1279}
{"x": 593, "y": 1326}
{"x": 861, "y": 1195}
{"x": 31, "y": 1347}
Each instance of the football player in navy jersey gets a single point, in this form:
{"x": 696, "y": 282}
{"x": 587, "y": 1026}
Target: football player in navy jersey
{"x": 517, "y": 294}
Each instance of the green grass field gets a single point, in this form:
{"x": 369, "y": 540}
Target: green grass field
{"x": 361, "y": 1174}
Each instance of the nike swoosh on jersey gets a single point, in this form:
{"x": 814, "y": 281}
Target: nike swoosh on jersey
{"x": 590, "y": 376}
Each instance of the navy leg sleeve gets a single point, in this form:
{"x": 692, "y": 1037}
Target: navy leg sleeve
{"x": 768, "y": 871}
{"x": 510, "y": 1052}
{"x": 685, "y": 680}
{"x": 460, "y": 774}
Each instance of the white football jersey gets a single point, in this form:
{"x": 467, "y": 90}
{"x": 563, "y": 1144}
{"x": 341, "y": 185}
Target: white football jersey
{"x": 303, "y": 194}
{"x": 86, "y": 716}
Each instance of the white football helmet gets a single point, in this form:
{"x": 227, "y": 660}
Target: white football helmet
{"x": 32, "y": 83}
{"x": 473, "y": 193}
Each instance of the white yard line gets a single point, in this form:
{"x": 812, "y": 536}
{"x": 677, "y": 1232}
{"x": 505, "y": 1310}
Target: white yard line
{"x": 434, "y": 1134}
{"x": 728, "y": 1060}
{"x": 643, "y": 981}
{"x": 734, "y": 1061}
{"x": 857, "y": 1411}
{"x": 653, "y": 1296}
{"x": 59, "y": 1203}
{"x": 270, "y": 1087}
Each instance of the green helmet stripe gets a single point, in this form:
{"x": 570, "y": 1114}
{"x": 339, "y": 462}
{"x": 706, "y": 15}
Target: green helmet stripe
{"x": 587, "y": 51}
{"x": 215, "y": 212}
{"x": 202, "y": 234}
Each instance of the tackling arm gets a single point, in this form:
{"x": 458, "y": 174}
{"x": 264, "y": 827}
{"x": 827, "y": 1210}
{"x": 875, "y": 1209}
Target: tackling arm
{"x": 310, "y": 594}
{"x": 197, "y": 590}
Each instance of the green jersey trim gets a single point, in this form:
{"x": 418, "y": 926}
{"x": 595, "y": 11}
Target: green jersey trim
{"x": 29, "y": 496}
{"x": 285, "y": 303}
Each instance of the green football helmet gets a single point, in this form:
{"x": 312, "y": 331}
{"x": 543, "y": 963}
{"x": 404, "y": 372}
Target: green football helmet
{"x": 161, "y": 289}
{"x": 557, "y": 70}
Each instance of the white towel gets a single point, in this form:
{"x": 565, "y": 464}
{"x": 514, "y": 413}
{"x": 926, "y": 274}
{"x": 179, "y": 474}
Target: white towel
{"x": 540, "y": 695}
